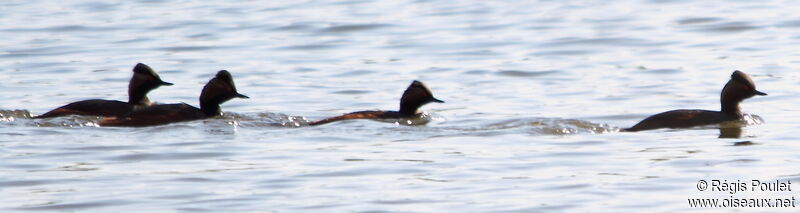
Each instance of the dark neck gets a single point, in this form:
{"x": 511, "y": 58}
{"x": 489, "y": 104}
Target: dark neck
{"x": 138, "y": 98}
{"x": 730, "y": 98}
{"x": 210, "y": 109}
{"x": 731, "y": 107}
{"x": 408, "y": 109}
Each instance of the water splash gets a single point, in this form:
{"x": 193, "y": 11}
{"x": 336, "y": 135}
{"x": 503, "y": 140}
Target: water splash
{"x": 67, "y": 121}
{"x": 418, "y": 120}
{"x": 268, "y": 119}
{"x": 535, "y": 126}
{"x": 12, "y": 115}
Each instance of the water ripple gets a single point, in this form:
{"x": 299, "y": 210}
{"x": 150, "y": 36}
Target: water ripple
{"x": 522, "y": 73}
{"x": 611, "y": 42}
{"x": 170, "y": 156}
{"x": 78, "y": 205}
{"x": 191, "y": 48}
{"x": 352, "y": 28}
{"x": 725, "y": 27}
{"x": 534, "y": 91}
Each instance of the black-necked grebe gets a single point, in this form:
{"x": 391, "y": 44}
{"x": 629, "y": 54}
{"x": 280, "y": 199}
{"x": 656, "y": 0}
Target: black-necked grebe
{"x": 416, "y": 95}
{"x": 217, "y": 91}
{"x": 740, "y": 87}
{"x": 143, "y": 81}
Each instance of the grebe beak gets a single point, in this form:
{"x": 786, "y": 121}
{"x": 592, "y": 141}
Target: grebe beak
{"x": 241, "y": 96}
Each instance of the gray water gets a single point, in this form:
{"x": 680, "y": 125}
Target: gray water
{"x": 535, "y": 92}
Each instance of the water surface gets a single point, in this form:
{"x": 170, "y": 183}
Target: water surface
{"x": 536, "y": 92}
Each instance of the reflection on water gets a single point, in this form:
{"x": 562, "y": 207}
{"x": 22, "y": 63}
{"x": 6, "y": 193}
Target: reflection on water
{"x": 536, "y": 126}
{"x": 535, "y": 90}
{"x": 734, "y": 132}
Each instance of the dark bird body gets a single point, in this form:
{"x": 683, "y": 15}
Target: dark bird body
{"x": 143, "y": 81}
{"x": 416, "y": 95}
{"x": 217, "y": 91}
{"x": 738, "y": 88}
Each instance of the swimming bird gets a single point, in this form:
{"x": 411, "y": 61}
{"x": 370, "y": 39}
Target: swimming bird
{"x": 738, "y": 88}
{"x": 416, "y": 95}
{"x": 143, "y": 81}
{"x": 217, "y": 91}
